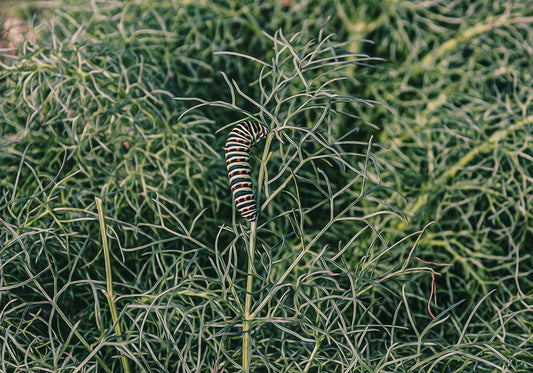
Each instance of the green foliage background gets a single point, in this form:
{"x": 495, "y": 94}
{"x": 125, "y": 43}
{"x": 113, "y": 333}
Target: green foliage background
{"x": 89, "y": 110}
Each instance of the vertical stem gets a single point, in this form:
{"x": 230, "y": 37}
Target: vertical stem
{"x": 109, "y": 279}
{"x": 246, "y": 346}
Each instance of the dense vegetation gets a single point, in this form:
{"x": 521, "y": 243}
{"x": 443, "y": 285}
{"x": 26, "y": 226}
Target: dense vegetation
{"x": 396, "y": 187}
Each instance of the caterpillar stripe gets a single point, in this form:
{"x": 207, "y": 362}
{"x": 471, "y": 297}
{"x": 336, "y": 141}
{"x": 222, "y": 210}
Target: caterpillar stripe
{"x": 241, "y": 138}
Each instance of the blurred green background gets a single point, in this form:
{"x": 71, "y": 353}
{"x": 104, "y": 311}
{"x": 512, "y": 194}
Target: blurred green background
{"x": 88, "y": 109}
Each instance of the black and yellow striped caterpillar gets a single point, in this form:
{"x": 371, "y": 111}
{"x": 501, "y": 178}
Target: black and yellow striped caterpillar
{"x": 241, "y": 138}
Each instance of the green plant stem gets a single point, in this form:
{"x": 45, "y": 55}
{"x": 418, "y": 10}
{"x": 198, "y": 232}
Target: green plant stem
{"x": 109, "y": 279}
{"x": 246, "y": 346}
{"x": 248, "y": 317}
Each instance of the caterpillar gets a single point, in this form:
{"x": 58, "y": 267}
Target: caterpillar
{"x": 241, "y": 138}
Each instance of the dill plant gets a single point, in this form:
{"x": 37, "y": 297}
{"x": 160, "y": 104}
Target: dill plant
{"x": 313, "y": 257}
{"x": 330, "y": 279}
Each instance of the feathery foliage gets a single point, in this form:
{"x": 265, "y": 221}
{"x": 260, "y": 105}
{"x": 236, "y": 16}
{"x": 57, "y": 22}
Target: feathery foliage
{"x": 119, "y": 246}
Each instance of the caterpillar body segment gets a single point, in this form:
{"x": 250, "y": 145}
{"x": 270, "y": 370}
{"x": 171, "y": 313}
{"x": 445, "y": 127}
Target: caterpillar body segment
{"x": 241, "y": 138}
